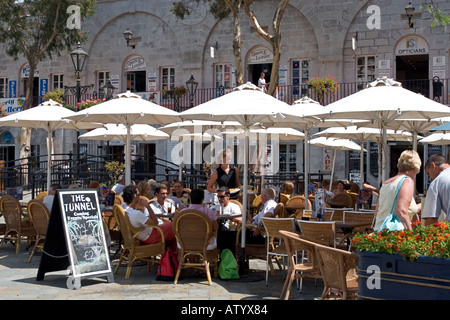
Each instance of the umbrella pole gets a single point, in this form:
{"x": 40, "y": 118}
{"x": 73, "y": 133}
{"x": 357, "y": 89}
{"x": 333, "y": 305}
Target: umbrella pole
{"x": 306, "y": 168}
{"x": 384, "y": 155}
{"x": 180, "y": 155}
{"x": 332, "y": 168}
{"x": 49, "y": 160}
{"x": 128, "y": 157}
{"x": 244, "y": 207}
{"x": 361, "y": 164}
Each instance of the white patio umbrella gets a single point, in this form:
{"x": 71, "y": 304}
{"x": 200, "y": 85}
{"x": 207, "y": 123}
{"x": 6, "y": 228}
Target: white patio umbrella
{"x": 180, "y": 130}
{"x": 128, "y": 109}
{"x": 438, "y": 138}
{"x": 275, "y": 134}
{"x": 138, "y": 132}
{"x": 383, "y": 102}
{"x": 249, "y": 106}
{"x": 307, "y": 108}
{"x": 49, "y": 115}
{"x": 336, "y": 144}
{"x": 362, "y": 134}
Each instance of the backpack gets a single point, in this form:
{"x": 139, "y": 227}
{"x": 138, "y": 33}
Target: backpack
{"x": 228, "y": 266}
{"x": 168, "y": 266}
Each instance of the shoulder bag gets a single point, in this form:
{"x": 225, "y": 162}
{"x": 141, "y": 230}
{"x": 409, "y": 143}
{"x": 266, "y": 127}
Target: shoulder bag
{"x": 392, "y": 222}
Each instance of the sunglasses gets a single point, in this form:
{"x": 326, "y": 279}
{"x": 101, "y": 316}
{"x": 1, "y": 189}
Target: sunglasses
{"x": 222, "y": 196}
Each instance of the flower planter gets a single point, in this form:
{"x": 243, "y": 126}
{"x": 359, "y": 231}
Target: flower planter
{"x": 426, "y": 278}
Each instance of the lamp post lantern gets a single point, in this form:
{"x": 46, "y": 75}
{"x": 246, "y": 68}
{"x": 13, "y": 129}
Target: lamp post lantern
{"x": 78, "y": 58}
{"x": 191, "y": 86}
{"x": 109, "y": 88}
{"x": 410, "y": 13}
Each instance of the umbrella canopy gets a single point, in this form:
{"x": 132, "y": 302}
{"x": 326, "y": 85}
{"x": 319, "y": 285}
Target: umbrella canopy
{"x": 49, "y": 115}
{"x": 335, "y": 143}
{"x": 127, "y": 109}
{"x": 363, "y": 134}
{"x": 285, "y": 134}
{"x": 140, "y": 132}
{"x": 437, "y": 139}
{"x": 442, "y": 127}
{"x": 249, "y": 106}
{"x": 383, "y": 102}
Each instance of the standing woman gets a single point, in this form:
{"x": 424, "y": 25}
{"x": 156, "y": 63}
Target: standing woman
{"x": 408, "y": 166}
{"x": 225, "y": 175}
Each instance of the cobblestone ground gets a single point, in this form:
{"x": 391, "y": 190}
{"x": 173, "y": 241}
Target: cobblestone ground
{"x": 18, "y": 281}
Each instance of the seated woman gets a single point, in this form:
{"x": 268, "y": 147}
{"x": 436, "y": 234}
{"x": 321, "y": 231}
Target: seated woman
{"x": 287, "y": 190}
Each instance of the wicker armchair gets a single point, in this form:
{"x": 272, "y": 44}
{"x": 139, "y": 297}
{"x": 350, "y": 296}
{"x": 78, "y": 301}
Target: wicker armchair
{"x": 194, "y": 230}
{"x": 39, "y": 215}
{"x": 338, "y": 272}
{"x": 18, "y": 225}
{"x": 275, "y": 244}
{"x": 322, "y": 232}
{"x": 306, "y": 268}
{"x": 132, "y": 250}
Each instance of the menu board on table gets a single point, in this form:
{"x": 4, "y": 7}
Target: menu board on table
{"x": 75, "y": 236}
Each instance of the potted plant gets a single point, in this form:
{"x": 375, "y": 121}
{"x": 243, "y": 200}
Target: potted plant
{"x": 407, "y": 264}
{"x": 114, "y": 169}
{"x": 323, "y": 85}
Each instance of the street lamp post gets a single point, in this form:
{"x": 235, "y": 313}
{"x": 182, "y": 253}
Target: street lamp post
{"x": 191, "y": 86}
{"x": 78, "y": 57}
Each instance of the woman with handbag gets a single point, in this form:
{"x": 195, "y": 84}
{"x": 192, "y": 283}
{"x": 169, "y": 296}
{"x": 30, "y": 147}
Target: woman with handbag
{"x": 396, "y": 204}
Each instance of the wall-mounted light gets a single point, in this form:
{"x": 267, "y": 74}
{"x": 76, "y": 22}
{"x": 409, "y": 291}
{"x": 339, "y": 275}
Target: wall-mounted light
{"x": 354, "y": 41}
{"x": 213, "y": 48}
{"x": 410, "y": 13}
{"x": 127, "y": 34}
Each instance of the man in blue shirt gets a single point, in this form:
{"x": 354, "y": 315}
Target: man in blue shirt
{"x": 438, "y": 193}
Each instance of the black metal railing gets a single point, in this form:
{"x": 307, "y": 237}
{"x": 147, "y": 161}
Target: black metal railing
{"x": 436, "y": 89}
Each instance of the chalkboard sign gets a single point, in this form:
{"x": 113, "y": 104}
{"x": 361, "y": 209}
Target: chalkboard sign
{"x": 75, "y": 235}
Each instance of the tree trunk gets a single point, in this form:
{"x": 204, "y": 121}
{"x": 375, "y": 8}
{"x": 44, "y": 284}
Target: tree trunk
{"x": 274, "y": 39}
{"x": 234, "y": 6}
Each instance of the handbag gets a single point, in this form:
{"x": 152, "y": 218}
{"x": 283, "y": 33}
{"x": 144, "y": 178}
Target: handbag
{"x": 392, "y": 222}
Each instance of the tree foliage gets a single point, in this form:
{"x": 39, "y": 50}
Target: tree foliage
{"x": 38, "y": 29}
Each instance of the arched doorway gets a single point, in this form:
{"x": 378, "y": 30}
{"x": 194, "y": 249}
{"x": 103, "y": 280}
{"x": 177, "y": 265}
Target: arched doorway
{"x": 135, "y": 74}
{"x": 412, "y": 64}
{"x": 259, "y": 59}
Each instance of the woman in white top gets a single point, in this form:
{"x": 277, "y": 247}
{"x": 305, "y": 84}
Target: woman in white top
{"x": 408, "y": 165}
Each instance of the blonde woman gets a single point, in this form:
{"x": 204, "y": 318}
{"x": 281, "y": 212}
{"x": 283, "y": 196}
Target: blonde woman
{"x": 408, "y": 166}
{"x": 225, "y": 175}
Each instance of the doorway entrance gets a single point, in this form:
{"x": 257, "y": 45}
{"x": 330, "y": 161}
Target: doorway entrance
{"x": 413, "y": 72}
{"x": 256, "y": 69}
{"x": 136, "y": 81}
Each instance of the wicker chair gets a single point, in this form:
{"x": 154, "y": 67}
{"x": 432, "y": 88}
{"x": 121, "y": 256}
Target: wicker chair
{"x": 338, "y": 272}
{"x": 283, "y": 198}
{"x": 294, "y": 204}
{"x": 310, "y": 268}
{"x": 132, "y": 250}
{"x": 194, "y": 230}
{"x": 275, "y": 244}
{"x": 322, "y": 232}
{"x": 279, "y": 211}
{"x": 18, "y": 225}
{"x": 341, "y": 200}
{"x": 41, "y": 195}
{"x": 39, "y": 215}
{"x": 118, "y": 199}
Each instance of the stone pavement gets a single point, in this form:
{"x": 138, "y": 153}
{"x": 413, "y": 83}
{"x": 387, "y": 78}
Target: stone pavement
{"x": 18, "y": 282}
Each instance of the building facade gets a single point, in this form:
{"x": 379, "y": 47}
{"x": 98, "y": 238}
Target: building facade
{"x": 354, "y": 41}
